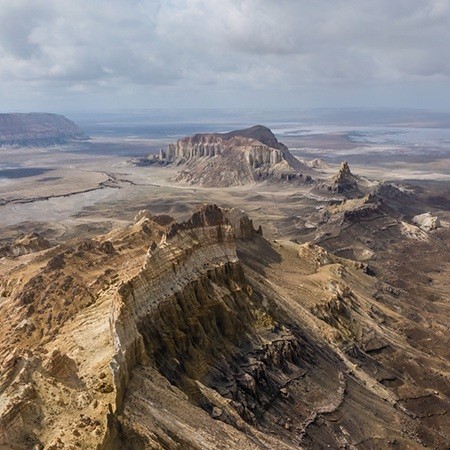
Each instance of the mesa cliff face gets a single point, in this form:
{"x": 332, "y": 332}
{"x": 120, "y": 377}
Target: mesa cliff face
{"x": 202, "y": 334}
{"x": 37, "y": 129}
{"x": 233, "y": 159}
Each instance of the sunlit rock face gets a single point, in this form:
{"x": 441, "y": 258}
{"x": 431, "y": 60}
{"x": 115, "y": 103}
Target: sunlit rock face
{"x": 233, "y": 159}
{"x": 203, "y": 334}
{"x": 344, "y": 182}
{"x": 427, "y": 221}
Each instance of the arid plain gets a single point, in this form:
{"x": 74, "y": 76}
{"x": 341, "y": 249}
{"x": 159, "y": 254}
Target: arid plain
{"x": 88, "y": 187}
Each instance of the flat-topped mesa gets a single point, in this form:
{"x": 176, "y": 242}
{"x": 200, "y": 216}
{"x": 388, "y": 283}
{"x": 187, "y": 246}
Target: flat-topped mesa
{"x": 198, "y": 146}
{"x": 232, "y": 159}
{"x": 209, "y": 145}
{"x": 37, "y": 129}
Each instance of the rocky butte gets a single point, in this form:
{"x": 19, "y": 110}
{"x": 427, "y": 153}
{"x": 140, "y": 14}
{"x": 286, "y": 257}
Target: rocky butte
{"x": 232, "y": 159}
{"x": 37, "y": 129}
{"x": 344, "y": 182}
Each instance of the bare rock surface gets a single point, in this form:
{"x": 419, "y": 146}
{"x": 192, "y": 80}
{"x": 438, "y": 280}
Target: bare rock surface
{"x": 318, "y": 163}
{"x": 426, "y": 221}
{"x": 202, "y": 334}
{"x": 25, "y": 244}
{"x": 344, "y": 182}
{"x": 232, "y": 159}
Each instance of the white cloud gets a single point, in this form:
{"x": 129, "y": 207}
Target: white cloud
{"x": 127, "y": 48}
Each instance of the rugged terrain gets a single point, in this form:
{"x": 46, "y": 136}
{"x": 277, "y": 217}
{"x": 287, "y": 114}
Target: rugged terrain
{"x": 203, "y": 334}
{"x": 232, "y": 159}
{"x": 37, "y": 129}
{"x": 318, "y": 321}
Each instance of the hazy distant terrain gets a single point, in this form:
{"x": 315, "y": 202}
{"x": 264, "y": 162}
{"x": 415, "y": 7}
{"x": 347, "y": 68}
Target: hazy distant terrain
{"x": 20, "y": 129}
{"x": 379, "y": 151}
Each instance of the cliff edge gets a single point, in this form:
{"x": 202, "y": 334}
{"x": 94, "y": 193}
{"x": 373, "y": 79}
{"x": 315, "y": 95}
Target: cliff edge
{"x": 232, "y": 159}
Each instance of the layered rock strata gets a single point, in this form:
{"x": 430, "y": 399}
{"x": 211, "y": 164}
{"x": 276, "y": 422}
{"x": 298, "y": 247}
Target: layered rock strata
{"x": 344, "y": 182}
{"x": 29, "y": 243}
{"x": 233, "y": 159}
{"x": 203, "y": 335}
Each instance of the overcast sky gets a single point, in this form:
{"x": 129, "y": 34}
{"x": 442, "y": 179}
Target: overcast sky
{"x": 75, "y": 55}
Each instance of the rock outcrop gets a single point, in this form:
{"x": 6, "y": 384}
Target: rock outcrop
{"x": 318, "y": 163}
{"x": 29, "y": 243}
{"x": 344, "y": 182}
{"x": 242, "y": 225}
{"x": 37, "y": 129}
{"x": 202, "y": 334}
{"x": 426, "y": 221}
{"x": 232, "y": 159}
{"x": 360, "y": 223}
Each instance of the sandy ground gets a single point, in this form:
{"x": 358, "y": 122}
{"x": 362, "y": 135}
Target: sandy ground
{"x": 88, "y": 193}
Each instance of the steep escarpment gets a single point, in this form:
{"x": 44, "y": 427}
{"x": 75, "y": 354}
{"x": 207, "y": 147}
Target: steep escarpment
{"x": 232, "y": 159}
{"x": 202, "y": 334}
{"x": 56, "y": 386}
{"x": 209, "y": 335}
{"x": 37, "y": 129}
{"x": 144, "y": 294}
{"x": 205, "y": 333}
{"x": 237, "y": 351}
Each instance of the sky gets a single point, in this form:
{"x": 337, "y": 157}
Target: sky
{"x": 101, "y": 55}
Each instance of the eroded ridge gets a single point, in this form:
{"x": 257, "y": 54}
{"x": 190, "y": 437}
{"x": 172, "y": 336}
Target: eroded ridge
{"x": 203, "y": 334}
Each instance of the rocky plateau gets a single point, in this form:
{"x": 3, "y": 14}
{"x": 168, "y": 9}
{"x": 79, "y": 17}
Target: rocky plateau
{"x": 317, "y": 320}
{"x": 31, "y": 129}
{"x": 232, "y": 159}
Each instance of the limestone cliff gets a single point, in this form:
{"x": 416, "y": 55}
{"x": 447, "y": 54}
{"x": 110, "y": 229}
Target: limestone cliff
{"x": 232, "y": 159}
{"x": 203, "y": 335}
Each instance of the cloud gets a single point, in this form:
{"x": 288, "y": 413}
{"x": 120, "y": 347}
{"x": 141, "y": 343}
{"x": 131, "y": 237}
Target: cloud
{"x": 136, "y": 46}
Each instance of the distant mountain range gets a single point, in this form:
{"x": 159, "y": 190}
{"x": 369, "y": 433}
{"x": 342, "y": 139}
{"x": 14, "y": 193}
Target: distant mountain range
{"x": 37, "y": 129}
